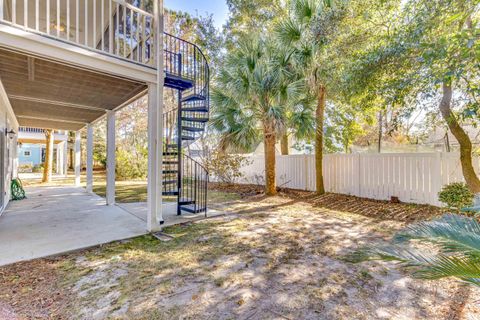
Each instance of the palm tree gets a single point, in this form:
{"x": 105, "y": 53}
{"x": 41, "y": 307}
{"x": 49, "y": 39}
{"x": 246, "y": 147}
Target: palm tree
{"x": 455, "y": 237}
{"x": 254, "y": 88}
{"x": 306, "y": 31}
{"x": 47, "y": 166}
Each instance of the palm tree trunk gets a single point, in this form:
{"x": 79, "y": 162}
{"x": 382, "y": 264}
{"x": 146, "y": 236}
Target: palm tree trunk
{"x": 320, "y": 115}
{"x": 269, "y": 142}
{"x": 47, "y": 166}
{"x": 284, "y": 144}
{"x": 463, "y": 139}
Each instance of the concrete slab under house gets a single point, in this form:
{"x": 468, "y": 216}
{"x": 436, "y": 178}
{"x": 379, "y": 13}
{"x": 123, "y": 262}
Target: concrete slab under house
{"x": 67, "y": 64}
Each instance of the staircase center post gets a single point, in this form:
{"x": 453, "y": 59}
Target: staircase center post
{"x": 179, "y": 140}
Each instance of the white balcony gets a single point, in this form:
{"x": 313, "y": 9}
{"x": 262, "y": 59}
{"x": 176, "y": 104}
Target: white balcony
{"x": 111, "y": 27}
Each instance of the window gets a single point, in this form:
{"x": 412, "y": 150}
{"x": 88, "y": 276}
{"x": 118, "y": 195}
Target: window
{"x": 26, "y": 153}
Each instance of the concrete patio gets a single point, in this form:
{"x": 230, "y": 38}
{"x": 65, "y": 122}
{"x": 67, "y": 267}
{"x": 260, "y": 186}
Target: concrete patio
{"x": 61, "y": 218}
{"x": 57, "y": 219}
{"x": 139, "y": 209}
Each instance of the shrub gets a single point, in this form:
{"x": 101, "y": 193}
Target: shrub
{"x": 225, "y": 167}
{"x": 456, "y": 195}
{"x": 25, "y": 167}
{"x": 37, "y": 168}
{"x": 131, "y": 165}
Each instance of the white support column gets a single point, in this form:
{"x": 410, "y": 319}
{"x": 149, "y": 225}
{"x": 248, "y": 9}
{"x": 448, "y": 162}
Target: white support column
{"x": 77, "y": 157}
{"x": 57, "y": 157}
{"x": 110, "y": 194}
{"x": 155, "y": 130}
{"x": 65, "y": 157}
{"x": 154, "y": 217}
{"x": 60, "y": 158}
{"x": 89, "y": 158}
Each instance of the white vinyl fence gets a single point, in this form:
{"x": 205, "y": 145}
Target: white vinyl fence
{"x": 412, "y": 177}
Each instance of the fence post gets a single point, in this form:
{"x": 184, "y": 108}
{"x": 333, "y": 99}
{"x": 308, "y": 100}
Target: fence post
{"x": 437, "y": 177}
{"x": 359, "y": 175}
{"x": 306, "y": 171}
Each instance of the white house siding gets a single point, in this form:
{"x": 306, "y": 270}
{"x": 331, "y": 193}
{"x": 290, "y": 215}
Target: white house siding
{"x": 8, "y": 147}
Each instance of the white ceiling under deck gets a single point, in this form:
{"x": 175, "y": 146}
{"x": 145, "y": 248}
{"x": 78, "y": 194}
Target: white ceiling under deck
{"x": 46, "y": 94}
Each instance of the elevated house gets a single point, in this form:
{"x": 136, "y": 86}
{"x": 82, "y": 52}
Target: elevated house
{"x": 65, "y": 64}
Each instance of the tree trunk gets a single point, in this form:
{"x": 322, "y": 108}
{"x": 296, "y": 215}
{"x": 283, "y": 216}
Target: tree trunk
{"x": 70, "y": 152}
{"x": 47, "y": 166}
{"x": 320, "y": 115}
{"x": 284, "y": 144}
{"x": 380, "y": 131}
{"x": 269, "y": 142}
{"x": 463, "y": 139}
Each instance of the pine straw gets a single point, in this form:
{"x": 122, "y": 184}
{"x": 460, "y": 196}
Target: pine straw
{"x": 382, "y": 210}
{"x": 34, "y": 287}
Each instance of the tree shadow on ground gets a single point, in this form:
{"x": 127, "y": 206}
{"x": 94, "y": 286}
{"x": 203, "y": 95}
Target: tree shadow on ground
{"x": 273, "y": 258}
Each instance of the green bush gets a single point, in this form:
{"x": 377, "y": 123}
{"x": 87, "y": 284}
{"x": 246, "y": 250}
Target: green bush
{"x": 226, "y": 167}
{"x": 456, "y": 195}
{"x": 37, "y": 168}
{"x": 131, "y": 165}
{"x": 25, "y": 167}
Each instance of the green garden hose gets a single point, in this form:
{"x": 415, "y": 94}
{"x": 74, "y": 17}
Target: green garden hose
{"x": 18, "y": 193}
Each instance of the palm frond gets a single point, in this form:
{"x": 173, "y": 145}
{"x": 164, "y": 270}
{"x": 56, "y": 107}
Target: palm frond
{"x": 451, "y": 248}
{"x": 453, "y": 233}
{"x": 288, "y": 31}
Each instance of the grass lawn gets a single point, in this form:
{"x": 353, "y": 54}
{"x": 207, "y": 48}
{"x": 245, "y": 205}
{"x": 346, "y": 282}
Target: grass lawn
{"x": 125, "y": 191}
{"x": 281, "y": 257}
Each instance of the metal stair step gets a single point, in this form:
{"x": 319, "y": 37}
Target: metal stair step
{"x": 176, "y": 82}
{"x": 191, "y": 208}
{"x": 169, "y": 171}
{"x": 188, "y": 138}
{"x": 193, "y": 97}
{"x": 186, "y": 202}
{"x": 194, "y": 119}
{"x": 170, "y": 162}
{"x": 172, "y": 145}
{"x": 170, "y": 153}
{"x": 192, "y": 129}
{"x": 170, "y": 193}
{"x": 195, "y": 109}
{"x": 167, "y": 182}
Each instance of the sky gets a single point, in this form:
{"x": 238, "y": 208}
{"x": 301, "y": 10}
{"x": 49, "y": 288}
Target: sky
{"x": 218, "y": 8}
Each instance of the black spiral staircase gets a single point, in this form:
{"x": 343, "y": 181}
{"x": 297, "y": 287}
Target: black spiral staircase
{"x": 187, "y": 71}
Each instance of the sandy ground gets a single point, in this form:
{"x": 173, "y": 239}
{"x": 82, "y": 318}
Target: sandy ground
{"x": 270, "y": 258}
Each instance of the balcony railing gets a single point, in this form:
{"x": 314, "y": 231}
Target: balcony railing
{"x": 112, "y": 27}
{"x": 38, "y": 130}
{"x": 31, "y": 130}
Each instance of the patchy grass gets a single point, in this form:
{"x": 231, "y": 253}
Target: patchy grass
{"x": 125, "y": 191}
{"x": 270, "y": 258}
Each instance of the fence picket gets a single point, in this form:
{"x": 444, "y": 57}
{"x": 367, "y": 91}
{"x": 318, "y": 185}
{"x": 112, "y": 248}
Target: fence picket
{"x": 415, "y": 178}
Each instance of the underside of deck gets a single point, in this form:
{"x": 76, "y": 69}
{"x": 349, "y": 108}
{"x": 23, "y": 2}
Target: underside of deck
{"x": 47, "y": 94}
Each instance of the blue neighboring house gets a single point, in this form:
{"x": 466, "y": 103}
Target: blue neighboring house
{"x": 29, "y": 153}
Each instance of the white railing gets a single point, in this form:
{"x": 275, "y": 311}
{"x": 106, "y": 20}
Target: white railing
{"x": 113, "y": 27}
{"x": 39, "y": 130}
{"x": 412, "y": 177}
{"x": 31, "y": 130}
